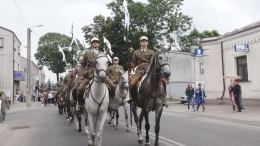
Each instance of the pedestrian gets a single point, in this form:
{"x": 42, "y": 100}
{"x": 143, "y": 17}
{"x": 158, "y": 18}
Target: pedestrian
{"x": 49, "y": 98}
{"x": 235, "y": 107}
{"x": 200, "y": 97}
{"x": 21, "y": 97}
{"x": 4, "y": 104}
{"x": 45, "y": 98}
{"x": 231, "y": 95}
{"x": 33, "y": 96}
{"x": 190, "y": 95}
{"x": 17, "y": 97}
{"x": 236, "y": 91}
{"x": 240, "y": 98}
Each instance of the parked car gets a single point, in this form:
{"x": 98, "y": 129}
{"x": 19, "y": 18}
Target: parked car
{"x": 183, "y": 99}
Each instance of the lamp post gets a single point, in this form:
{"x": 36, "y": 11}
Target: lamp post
{"x": 29, "y": 90}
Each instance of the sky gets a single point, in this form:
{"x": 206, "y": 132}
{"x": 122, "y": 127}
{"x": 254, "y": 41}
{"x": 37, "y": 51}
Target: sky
{"x": 58, "y": 16}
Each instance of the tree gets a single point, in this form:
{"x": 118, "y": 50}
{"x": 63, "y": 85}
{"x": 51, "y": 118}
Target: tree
{"x": 159, "y": 20}
{"x": 194, "y": 38}
{"x": 48, "y": 55}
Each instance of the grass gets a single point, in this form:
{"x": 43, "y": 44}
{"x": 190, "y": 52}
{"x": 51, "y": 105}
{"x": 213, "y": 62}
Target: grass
{"x": 172, "y": 100}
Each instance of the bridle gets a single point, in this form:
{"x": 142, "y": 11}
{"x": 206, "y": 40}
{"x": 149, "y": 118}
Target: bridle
{"x": 122, "y": 87}
{"x": 99, "y": 70}
{"x": 158, "y": 69}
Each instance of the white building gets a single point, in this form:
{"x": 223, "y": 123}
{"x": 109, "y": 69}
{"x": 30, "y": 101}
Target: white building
{"x": 13, "y": 66}
{"x": 220, "y": 58}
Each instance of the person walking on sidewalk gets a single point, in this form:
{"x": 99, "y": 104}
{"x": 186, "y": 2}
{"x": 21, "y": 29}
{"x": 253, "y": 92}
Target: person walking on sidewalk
{"x": 240, "y": 98}
{"x": 190, "y": 94}
{"x": 200, "y": 97}
{"x": 231, "y": 95}
{"x": 236, "y": 91}
{"x": 4, "y": 104}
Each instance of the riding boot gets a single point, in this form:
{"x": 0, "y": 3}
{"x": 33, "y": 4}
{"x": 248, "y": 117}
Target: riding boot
{"x": 63, "y": 97}
{"x": 133, "y": 97}
{"x": 164, "y": 86}
{"x": 80, "y": 103}
{"x": 74, "y": 100}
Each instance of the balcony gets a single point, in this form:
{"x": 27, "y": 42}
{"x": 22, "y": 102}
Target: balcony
{"x": 19, "y": 76}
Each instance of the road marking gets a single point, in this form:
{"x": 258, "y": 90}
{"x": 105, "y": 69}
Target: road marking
{"x": 163, "y": 140}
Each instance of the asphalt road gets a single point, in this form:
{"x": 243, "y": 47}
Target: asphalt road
{"x": 48, "y": 128}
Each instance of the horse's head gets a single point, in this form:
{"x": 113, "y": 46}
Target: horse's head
{"x": 162, "y": 61}
{"x": 124, "y": 80}
{"x": 101, "y": 64}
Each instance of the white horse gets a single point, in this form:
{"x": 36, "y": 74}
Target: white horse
{"x": 96, "y": 101}
{"x": 120, "y": 100}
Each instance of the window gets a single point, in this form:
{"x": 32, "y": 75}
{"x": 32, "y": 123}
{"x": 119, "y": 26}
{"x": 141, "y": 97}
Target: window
{"x": 1, "y": 42}
{"x": 242, "y": 68}
{"x": 201, "y": 68}
{"x": 19, "y": 50}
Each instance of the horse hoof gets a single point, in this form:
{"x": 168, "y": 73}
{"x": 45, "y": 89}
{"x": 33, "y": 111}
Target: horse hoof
{"x": 128, "y": 130}
{"x": 140, "y": 141}
{"x": 147, "y": 144}
{"x": 80, "y": 130}
{"x": 86, "y": 132}
{"x": 116, "y": 128}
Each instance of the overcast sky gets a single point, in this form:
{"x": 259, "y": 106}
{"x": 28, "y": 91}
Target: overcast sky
{"x": 58, "y": 16}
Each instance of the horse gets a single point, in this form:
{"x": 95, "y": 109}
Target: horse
{"x": 151, "y": 94}
{"x": 97, "y": 100}
{"x": 68, "y": 105}
{"x": 120, "y": 100}
{"x": 60, "y": 102}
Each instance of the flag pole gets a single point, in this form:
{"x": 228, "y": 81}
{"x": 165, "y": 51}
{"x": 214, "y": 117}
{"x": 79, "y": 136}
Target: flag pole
{"x": 72, "y": 46}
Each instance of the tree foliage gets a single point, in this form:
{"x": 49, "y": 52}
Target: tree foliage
{"x": 194, "y": 38}
{"x": 48, "y": 53}
{"x": 159, "y": 20}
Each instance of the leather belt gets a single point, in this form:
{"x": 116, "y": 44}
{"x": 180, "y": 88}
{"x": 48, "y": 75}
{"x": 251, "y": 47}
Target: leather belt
{"x": 115, "y": 74}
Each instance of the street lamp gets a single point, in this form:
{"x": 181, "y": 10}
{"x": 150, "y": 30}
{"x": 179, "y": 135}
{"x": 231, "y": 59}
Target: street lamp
{"x": 29, "y": 90}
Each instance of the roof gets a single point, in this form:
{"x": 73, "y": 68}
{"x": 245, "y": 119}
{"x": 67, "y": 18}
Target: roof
{"x": 236, "y": 31}
{"x": 11, "y": 32}
{"x": 31, "y": 61}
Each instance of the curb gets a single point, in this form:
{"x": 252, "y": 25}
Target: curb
{"x": 254, "y": 123}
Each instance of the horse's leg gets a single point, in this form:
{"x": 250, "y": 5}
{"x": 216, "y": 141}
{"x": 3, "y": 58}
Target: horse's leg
{"x": 76, "y": 122}
{"x": 140, "y": 140}
{"x": 117, "y": 116}
{"x": 147, "y": 128}
{"x": 102, "y": 120}
{"x": 79, "y": 122}
{"x": 126, "y": 117}
{"x": 91, "y": 136}
{"x": 158, "y": 113}
{"x": 86, "y": 126}
{"x": 110, "y": 119}
{"x": 134, "y": 110}
{"x": 114, "y": 118}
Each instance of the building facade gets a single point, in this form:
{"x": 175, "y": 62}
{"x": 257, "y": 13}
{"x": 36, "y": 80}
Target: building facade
{"x": 223, "y": 56}
{"x": 13, "y": 72}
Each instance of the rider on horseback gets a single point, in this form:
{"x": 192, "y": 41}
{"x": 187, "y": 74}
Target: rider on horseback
{"x": 79, "y": 71}
{"x": 113, "y": 71}
{"x": 141, "y": 59}
{"x": 66, "y": 83}
{"x": 89, "y": 62}
{"x": 60, "y": 85}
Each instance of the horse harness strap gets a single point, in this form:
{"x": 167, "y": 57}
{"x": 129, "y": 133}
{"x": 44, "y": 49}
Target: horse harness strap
{"x": 99, "y": 104}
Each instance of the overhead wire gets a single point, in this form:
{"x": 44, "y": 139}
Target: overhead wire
{"x": 20, "y": 14}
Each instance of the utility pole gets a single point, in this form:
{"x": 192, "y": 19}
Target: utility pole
{"x": 28, "y": 100}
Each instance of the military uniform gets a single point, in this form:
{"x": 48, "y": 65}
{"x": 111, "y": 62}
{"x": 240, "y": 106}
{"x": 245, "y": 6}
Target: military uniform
{"x": 113, "y": 73}
{"x": 141, "y": 59}
{"x": 66, "y": 84}
{"x": 59, "y": 85}
{"x": 79, "y": 71}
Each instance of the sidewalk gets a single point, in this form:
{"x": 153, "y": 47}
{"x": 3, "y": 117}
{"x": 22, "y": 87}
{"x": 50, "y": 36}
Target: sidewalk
{"x": 250, "y": 115}
{"x": 18, "y": 106}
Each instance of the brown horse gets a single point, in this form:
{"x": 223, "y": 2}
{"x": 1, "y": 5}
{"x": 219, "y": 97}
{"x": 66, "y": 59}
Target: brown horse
{"x": 68, "y": 105}
{"x": 152, "y": 93}
{"x": 60, "y": 102}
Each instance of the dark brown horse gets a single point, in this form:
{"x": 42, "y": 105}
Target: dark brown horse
{"x": 152, "y": 93}
{"x": 60, "y": 102}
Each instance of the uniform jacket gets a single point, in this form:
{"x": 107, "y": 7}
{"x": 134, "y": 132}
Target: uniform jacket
{"x": 113, "y": 72}
{"x": 80, "y": 70}
{"x": 66, "y": 81}
{"x": 89, "y": 59}
{"x": 59, "y": 85}
{"x": 142, "y": 60}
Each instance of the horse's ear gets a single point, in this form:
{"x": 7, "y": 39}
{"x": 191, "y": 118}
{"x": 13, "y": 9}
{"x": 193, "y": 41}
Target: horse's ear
{"x": 157, "y": 50}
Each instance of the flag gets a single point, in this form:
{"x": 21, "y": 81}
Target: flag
{"x": 63, "y": 55}
{"x": 71, "y": 31}
{"x": 108, "y": 46}
{"x": 127, "y": 16}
